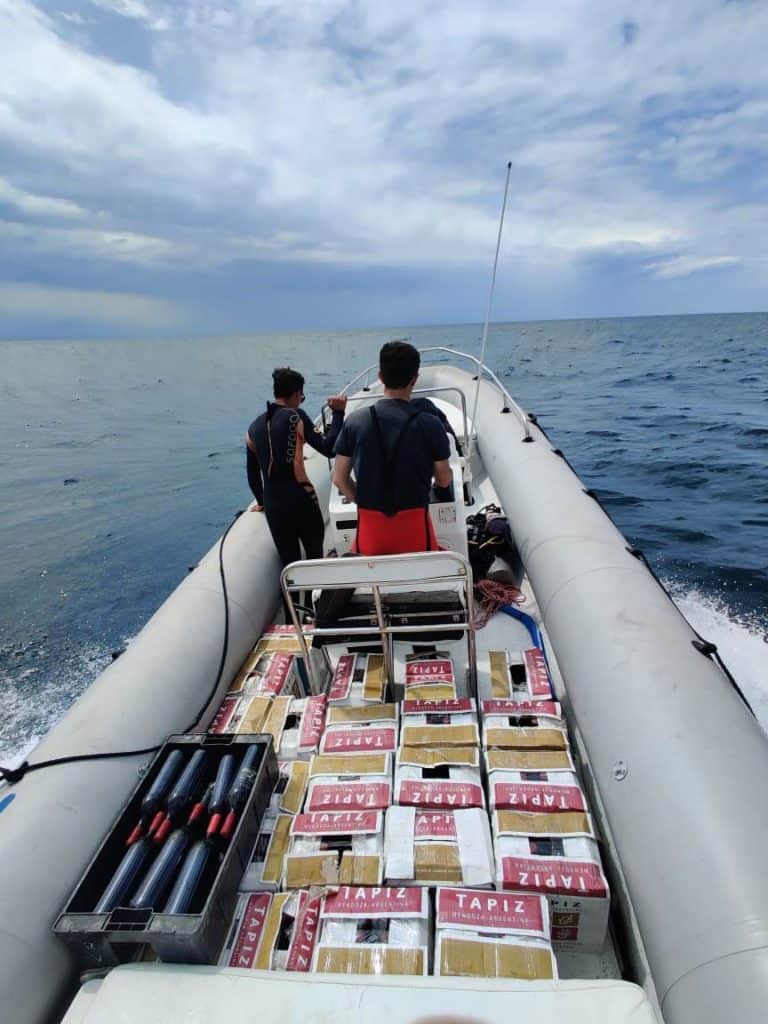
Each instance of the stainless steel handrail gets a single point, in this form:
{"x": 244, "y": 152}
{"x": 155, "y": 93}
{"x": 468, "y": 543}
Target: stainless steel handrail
{"x": 483, "y": 368}
{"x": 385, "y": 630}
{"x": 509, "y": 403}
{"x": 428, "y": 391}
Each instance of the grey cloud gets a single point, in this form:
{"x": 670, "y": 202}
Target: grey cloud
{"x": 343, "y": 134}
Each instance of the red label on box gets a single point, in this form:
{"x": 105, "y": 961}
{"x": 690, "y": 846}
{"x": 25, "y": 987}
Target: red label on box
{"x": 285, "y": 629}
{"x": 434, "y": 825}
{"x": 325, "y": 822}
{"x": 357, "y": 741}
{"x": 436, "y": 671}
{"x": 304, "y": 934}
{"x": 564, "y": 934}
{"x": 372, "y": 796}
{"x": 532, "y": 796}
{"x": 440, "y": 793}
{"x": 490, "y": 910}
{"x": 312, "y": 722}
{"x": 536, "y": 669}
{"x": 375, "y": 901}
{"x": 341, "y": 684}
{"x": 564, "y": 877}
{"x": 223, "y": 716}
{"x": 272, "y": 683}
{"x": 249, "y": 933}
{"x": 436, "y": 706}
{"x": 523, "y": 707}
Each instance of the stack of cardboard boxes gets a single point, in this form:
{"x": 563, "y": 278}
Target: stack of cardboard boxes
{"x": 393, "y": 821}
{"x": 544, "y": 840}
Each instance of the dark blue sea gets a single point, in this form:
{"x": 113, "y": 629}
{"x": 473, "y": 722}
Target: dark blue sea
{"x": 122, "y": 462}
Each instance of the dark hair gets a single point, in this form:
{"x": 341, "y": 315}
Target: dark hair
{"x": 286, "y": 382}
{"x": 399, "y": 363}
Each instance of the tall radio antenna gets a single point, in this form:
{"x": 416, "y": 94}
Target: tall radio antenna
{"x": 488, "y": 310}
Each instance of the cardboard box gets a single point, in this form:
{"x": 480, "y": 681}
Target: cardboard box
{"x": 335, "y": 848}
{"x": 358, "y": 679}
{"x": 439, "y": 777}
{"x": 556, "y": 855}
{"x": 350, "y": 782}
{"x": 295, "y": 724}
{"x": 484, "y": 934}
{"x": 521, "y": 726}
{"x": 432, "y": 847}
{"x": 273, "y": 932}
{"x": 268, "y": 674}
{"x": 265, "y": 866}
{"x": 440, "y": 723}
{"x": 517, "y": 676}
{"x": 288, "y": 795}
{"x": 360, "y": 739}
{"x": 429, "y": 676}
{"x": 374, "y": 930}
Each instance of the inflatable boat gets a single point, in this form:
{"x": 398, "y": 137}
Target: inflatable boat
{"x": 671, "y": 760}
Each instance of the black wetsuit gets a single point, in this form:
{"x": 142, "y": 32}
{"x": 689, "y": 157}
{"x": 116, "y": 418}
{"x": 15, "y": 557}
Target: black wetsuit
{"x": 276, "y": 475}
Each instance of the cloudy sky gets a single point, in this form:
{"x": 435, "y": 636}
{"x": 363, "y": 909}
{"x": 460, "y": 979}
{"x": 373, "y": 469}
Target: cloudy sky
{"x": 205, "y": 166}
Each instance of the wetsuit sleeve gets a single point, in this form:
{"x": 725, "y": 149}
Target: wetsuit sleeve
{"x": 254, "y": 471}
{"x": 315, "y": 438}
{"x": 440, "y": 447}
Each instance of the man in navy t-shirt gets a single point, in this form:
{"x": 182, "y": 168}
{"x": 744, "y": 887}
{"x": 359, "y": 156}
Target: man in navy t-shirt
{"x": 396, "y": 448}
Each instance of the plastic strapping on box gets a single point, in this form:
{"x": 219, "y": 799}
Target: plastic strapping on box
{"x": 530, "y": 760}
{"x": 292, "y": 797}
{"x": 519, "y": 822}
{"x": 525, "y": 738}
{"x": 370, "y": 960}
{"x": 278, "y": 846}
{"x": 430, "y": 757}
{"x": 356, "y": 764}
{"x": 373, "y": 686}
{"x": 501, "y": 682}
{"x": 432, "y": 691}
{"x": 467, "y": 956}
{"x": 253, "y": 714}
{"x": 440, "y": 735}
{"x": 368, "y": 714}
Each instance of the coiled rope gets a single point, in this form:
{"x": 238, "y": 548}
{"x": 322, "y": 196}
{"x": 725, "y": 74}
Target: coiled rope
{"x": 491, "y": 596}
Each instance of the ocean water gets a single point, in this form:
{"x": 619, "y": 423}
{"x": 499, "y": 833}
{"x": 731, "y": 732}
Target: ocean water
{"x": 122, "y": 462}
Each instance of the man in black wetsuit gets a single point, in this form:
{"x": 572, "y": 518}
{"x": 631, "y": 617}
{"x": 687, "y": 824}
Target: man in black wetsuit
{"x": 275, "y": 460}
{"x": 396, "y": 447}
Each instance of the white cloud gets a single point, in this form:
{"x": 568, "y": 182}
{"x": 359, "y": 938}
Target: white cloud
{"x": 41, "y": 303}
{"x": 376, "y": 134}
{"x": 133, "y": 9}
{"x": 681, "y": 266}
{"x": 35, "y": 205}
